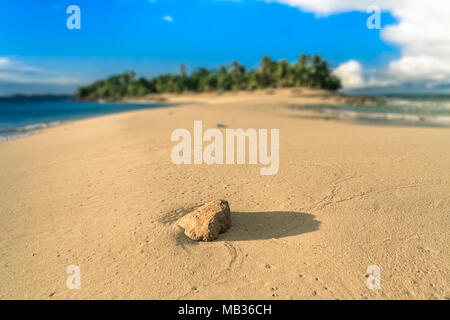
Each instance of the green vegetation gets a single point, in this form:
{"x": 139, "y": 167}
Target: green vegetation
{"x": 313, "y": 72}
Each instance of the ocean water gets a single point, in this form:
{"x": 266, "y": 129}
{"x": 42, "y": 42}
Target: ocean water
{"x": 399, "y": 110}
{"x": 20, "y": 117}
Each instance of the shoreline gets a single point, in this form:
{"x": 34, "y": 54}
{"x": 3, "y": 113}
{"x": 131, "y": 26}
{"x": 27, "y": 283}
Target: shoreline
{"x": 336, "y": 97}
{"x": 166, "y": 100}
{"x": 27, "y": 129}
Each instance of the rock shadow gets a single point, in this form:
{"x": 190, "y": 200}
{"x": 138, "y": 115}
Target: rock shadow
{"x": 269, "y": 225}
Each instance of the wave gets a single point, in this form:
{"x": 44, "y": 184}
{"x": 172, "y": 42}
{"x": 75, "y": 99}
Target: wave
{"x": 20, "y": 118}
{"x": 420, "y": 104}
{"x": 14, "y": 133}
{"x": 391, "y": 117}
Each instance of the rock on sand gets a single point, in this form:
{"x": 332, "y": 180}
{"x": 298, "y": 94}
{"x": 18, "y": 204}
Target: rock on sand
{"x": 207, "y": 222}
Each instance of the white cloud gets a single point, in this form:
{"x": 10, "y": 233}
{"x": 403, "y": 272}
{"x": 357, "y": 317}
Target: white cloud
{"x": 15, "y": 71}
{"x": 422, "y": 33}
{"x": 326, "y": 7}
{"x": 350, "y": 74}
{"x": 168, "y": 18}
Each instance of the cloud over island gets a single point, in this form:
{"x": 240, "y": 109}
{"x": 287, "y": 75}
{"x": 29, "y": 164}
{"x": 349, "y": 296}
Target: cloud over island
{"x": 422, "y": 34}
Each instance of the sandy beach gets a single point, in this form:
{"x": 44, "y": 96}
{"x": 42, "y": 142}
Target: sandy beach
{"x": 103, "y": 194}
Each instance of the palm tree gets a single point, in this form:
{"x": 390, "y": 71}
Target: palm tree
{"x": 237, "y": 73}
{"x": 182, "y": 70}
{"x": 224, "y": 81}
{"x": 301, "y": 70}
{"x": 305, "y": 71}
{"x": 127, "y": 77}
{"x": 281, "y": 72}
{"x": 253, "y": 80}
{"x": 266, "y": 71}
{"x": 200, "y": 77}
{"x": 318, "y": 70}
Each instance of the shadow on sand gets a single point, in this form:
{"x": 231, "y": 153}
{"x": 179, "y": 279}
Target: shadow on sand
{"x": 269, "y": 225}
{"x": 261, "y": 226}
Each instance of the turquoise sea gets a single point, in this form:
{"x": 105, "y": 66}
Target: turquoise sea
{"x": 24, "y": 116}
{"x": 399, "y": 110}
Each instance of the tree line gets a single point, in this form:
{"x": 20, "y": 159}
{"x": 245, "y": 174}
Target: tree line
{"x": 307, "y": 71}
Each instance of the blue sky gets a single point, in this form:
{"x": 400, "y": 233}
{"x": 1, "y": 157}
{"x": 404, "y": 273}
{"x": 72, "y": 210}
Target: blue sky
{"x": 38, "y": 54}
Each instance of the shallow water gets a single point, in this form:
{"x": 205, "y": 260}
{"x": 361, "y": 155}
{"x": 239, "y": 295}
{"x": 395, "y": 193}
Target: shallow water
{"x": 26, "y": 116}
{"x": 403, "y": 110}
